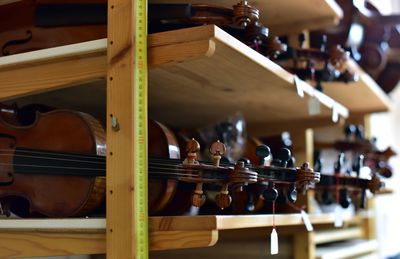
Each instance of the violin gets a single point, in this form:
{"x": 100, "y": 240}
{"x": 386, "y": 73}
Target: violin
{"x": 371, "y": 38}
{"x": 345, "y": 185}
{"x": 37, "y": 172}
{"x": 29, "y": 25}
{"x": 317, "y": 64}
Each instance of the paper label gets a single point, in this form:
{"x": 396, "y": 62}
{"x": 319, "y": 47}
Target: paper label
{"x": 274, "y": 242}
{"x": 335, "y": 114}
{"x": 298, "y": 83}
{"x": 338, "y": 217}
{"x": 314, "y": 106}
{"x": 307, "y": 221}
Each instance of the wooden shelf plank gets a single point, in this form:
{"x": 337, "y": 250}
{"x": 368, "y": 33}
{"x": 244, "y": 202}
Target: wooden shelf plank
{"x": 333, "y": 235}
{"x": 87, "y": 236}
{"x": 289, "y": 16}
{"x": 50, "y": 69}
{"x": 206, "y": 64}
{"x": 196, "y": 65}
{"x": 349, "y": 249}
{"x": 361, "y": 97}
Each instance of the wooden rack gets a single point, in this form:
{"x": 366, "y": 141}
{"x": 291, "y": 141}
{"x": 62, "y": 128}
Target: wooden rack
{"x": 203, "y": 64}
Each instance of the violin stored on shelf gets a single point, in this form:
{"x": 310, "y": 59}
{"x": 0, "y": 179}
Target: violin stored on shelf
{"x": 342, "y": 186}
{"x": 56, "y": 167}
{"x": 317, "y": 64}
{"x": 372, "y": 39}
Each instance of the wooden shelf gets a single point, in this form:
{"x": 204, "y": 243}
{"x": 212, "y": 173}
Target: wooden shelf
{"x": 87, "y": 236}
{"x": 349, "y": 249}
{"x": 333, "y": 235}
{"x": 361, "y": 97}
{"x": 289, "y": 16}
{"x": 196, "y": 65}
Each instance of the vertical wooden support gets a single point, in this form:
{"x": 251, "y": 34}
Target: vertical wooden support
{"x": 120, "y": 119}
{"x": 303, "y": 245}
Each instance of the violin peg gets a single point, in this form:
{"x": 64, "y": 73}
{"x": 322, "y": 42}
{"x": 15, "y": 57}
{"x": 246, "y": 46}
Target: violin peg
{"x": 192, "y": 147}
{"x": 358, "y": 164}
{"x": 283, "y": 158}
{"x": 327, "y": 198}
{"x": 246, "y": 162}
{"x": 223, "y": 199}
{"x": 344, "y": 199}
{"x": 292, "y": 193}
{"x": 339, "y": 163}
{"x": 359, "y": 132}
{"x": 271, "y": 193}
{"x": 324, "y": 41}
{"x": 349, "y": 130}
{"x": 263, "y": 151}
{"x": 301, "y": 39}
{"x": 363, "y": 199}
{"x": 217, "y": 149}
{"x": 198, "y": 197}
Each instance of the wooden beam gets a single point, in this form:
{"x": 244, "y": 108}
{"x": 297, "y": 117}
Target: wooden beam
{"x": 22, "y": 244}
{"x": 120, "y": 106}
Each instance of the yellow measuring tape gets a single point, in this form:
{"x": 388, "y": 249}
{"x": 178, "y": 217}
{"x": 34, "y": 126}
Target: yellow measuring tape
{"x": 140, "y": 131}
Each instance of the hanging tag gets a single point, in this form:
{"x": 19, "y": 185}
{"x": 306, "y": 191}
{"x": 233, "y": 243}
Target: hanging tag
{"x": 314, "y": 106}
{"x": 307, "y": 221}
{"x": 274, "y": 242}
{"x": 335, "y": 114}
{"x": 338, "y": 217}
{"x": 298, "y": 83}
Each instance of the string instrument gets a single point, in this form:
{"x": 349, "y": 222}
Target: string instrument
{"x": 242, "y": 22}
{"x": 372, "y": 39}
{"x": 274, "y": 180}
{"x": 345, "y": 185}
{"x": 40, "y": 162}
{"x": 317, "y": 64}
{"x": 355, "y": 142}
{"x": 29, "y": 25}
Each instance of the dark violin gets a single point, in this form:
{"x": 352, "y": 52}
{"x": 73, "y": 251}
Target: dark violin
{"x": 339, "y": 186}
{"x": 371, "y": 38}
{"x": 242, "y": 22}
{"x": 317, "y": 64}
{"x": 29, "y": 25}
{"x": 40, "y": 163}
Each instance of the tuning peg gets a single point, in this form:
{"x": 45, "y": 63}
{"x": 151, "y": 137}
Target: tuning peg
{"x": 245, "y": 161}
{"x": 292, "y": 193}
{"x": 192, "y": 147}
{"x": 327, "y": 198}
{"x": 198, "y": 197}
{"x": 339, "y": 163}
{"x": 344, "y": 199}
{"x": 357, "y": 165}
{"x": 250, "y": 202}
{"x": 324, "y": 41}
{"x": 302, "y": 39}
{"x": 318, "y": 161}
{"x": 283, "y": 158}
{"x": 349, "y": 130}
{"x": 217, "y": 149}
{"x": 223, "y": 199}
{"x": 359, "y": 133}
{"x": 263, "y": 151}
{"x": 363, "y": 199}
{"x": 270, "y": 194}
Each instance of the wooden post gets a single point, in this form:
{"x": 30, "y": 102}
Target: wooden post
{"x": 120, "y": 116}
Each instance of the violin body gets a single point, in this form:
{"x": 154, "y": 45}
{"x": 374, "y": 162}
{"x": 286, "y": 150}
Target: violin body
{"x": 46, "y": 193}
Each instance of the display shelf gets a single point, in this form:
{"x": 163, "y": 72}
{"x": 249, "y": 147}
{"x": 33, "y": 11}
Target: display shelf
{"x": 333, "y": 235}
{"x": 205, "y": 65}
{"x": 289, "y": 16}
{"x": 360, "y": 97}
{"x": 196, "y": 65}
{"x": 348, "y": 249}
{"x": 87, "y": 236}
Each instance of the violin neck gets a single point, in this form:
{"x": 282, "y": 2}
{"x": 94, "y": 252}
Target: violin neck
{"x": 347, "y": 181}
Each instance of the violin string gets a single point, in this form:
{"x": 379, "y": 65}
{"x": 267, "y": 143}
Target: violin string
{"x": 52, "y": 158}
{"x": 54, "y": 153}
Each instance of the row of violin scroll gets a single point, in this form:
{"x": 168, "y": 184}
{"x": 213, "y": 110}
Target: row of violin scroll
{"x": 53, "y": 164}
{"x": 62, "y": 22}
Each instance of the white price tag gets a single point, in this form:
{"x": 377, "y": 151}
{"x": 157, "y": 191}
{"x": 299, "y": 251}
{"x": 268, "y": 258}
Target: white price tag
{"x": 298, "y": 83}
{"x": 335, "y": 114}
{"x": 274, "y": 242}
{"x": 338, "y": 217}
{"x": 306, "y": 221}
{"x": 314, "y": 106}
